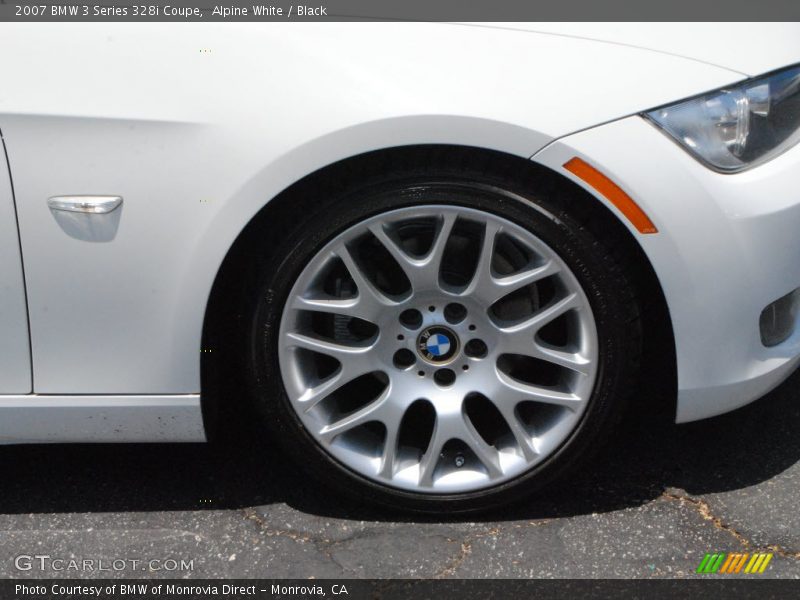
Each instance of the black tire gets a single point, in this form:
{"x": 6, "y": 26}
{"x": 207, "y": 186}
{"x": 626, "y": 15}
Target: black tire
{"x": 533, "y": 202}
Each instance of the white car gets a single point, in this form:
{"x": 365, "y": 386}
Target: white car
{"x": 444, "y": 258}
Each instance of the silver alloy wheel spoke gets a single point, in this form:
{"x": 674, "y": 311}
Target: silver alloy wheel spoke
{"x": 379, "y": 410}
{"x": 483, "y": 278}
{"x": 349, "y": 306}
{"x": 341, "y": 352}
{"x": 503, "y": 286}
{"x": 389, "y": 453}
{"x": 429, "y": 460}
{"x": 541, "y": 318}
{"x": 524, "y": 441}
{"x": 535, "y": 393}
{"x": 423, "y": 273}
{"x": 359, "y": 407}
{"x": 347, "y": 372}
{"x": 568, "y": 360}
{"x": 490, "y": 289}
{"x": 487, "y": 455}
{"x": 371, "y": 301}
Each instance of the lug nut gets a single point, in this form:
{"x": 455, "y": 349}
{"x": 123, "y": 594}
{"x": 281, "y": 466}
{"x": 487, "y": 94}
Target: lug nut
{"x": 476, "y": 348}
{"x": 444, "y": 377}
{"x": 455, "y": 313}
{"x": 411, "y": 318}
{"x": 459, "y": 461}
{"x": 404, "y": 358}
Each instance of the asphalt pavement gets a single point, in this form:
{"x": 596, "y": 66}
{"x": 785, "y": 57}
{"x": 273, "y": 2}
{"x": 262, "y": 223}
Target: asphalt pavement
{"x": 651, "y": 505}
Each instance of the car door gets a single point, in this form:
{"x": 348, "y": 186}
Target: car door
{"x": 15, "y": 354}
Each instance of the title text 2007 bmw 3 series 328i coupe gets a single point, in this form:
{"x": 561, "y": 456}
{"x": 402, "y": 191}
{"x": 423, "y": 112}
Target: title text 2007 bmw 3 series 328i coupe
{"x": 445, "y": 259}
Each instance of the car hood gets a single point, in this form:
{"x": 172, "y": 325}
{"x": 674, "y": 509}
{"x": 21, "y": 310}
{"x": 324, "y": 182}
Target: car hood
{"x": 746, "y": 48}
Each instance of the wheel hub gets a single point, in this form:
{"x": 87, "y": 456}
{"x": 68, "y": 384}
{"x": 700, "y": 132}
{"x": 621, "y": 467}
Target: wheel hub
{"x": 438, "y": 345}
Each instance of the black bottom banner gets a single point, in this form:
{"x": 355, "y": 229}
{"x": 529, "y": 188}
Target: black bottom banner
{"x": 391, "y": 589}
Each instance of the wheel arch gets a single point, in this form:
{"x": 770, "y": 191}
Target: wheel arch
{"x": 223, "y": 315}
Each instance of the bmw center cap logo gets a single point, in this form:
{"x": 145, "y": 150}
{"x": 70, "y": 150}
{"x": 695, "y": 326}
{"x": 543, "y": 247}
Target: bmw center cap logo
{"x": 437, "y": 344}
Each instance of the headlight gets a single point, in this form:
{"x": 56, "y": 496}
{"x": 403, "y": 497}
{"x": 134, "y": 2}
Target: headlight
{"x": 737, "y": 127}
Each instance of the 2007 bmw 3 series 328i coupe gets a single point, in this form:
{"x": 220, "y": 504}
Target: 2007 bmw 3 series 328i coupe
{"x": 445, "y": 259}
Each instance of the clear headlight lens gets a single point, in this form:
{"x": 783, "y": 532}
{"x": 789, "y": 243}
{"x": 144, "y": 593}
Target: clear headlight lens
{"x": 735, "y": 128}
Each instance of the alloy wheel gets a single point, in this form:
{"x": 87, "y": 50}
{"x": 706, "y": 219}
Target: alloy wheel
{"x": 438, "y": 349}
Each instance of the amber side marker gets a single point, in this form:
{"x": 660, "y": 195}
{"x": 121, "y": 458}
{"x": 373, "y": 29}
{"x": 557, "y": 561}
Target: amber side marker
{"x": 613, "y": 192}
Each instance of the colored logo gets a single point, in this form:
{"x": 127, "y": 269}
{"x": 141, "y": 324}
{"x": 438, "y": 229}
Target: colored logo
{"x": 437, "y": 344}
{"x": 735, "y": 562}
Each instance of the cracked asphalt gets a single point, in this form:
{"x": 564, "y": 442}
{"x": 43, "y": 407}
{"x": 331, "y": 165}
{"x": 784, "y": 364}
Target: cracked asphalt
{"x": 651, "y": 505}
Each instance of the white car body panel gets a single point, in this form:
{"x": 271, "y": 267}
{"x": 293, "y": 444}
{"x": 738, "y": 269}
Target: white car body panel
{"x": 727, "y": 247}
{"x": 198, "y": 127}
{"x": 197, "y": 139}
{"x": 15, "y": 353}
{"x": 749, "y": 48}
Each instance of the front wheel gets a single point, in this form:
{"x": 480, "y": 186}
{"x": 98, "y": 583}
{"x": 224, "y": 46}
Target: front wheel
{"x": 442, "y": 343}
